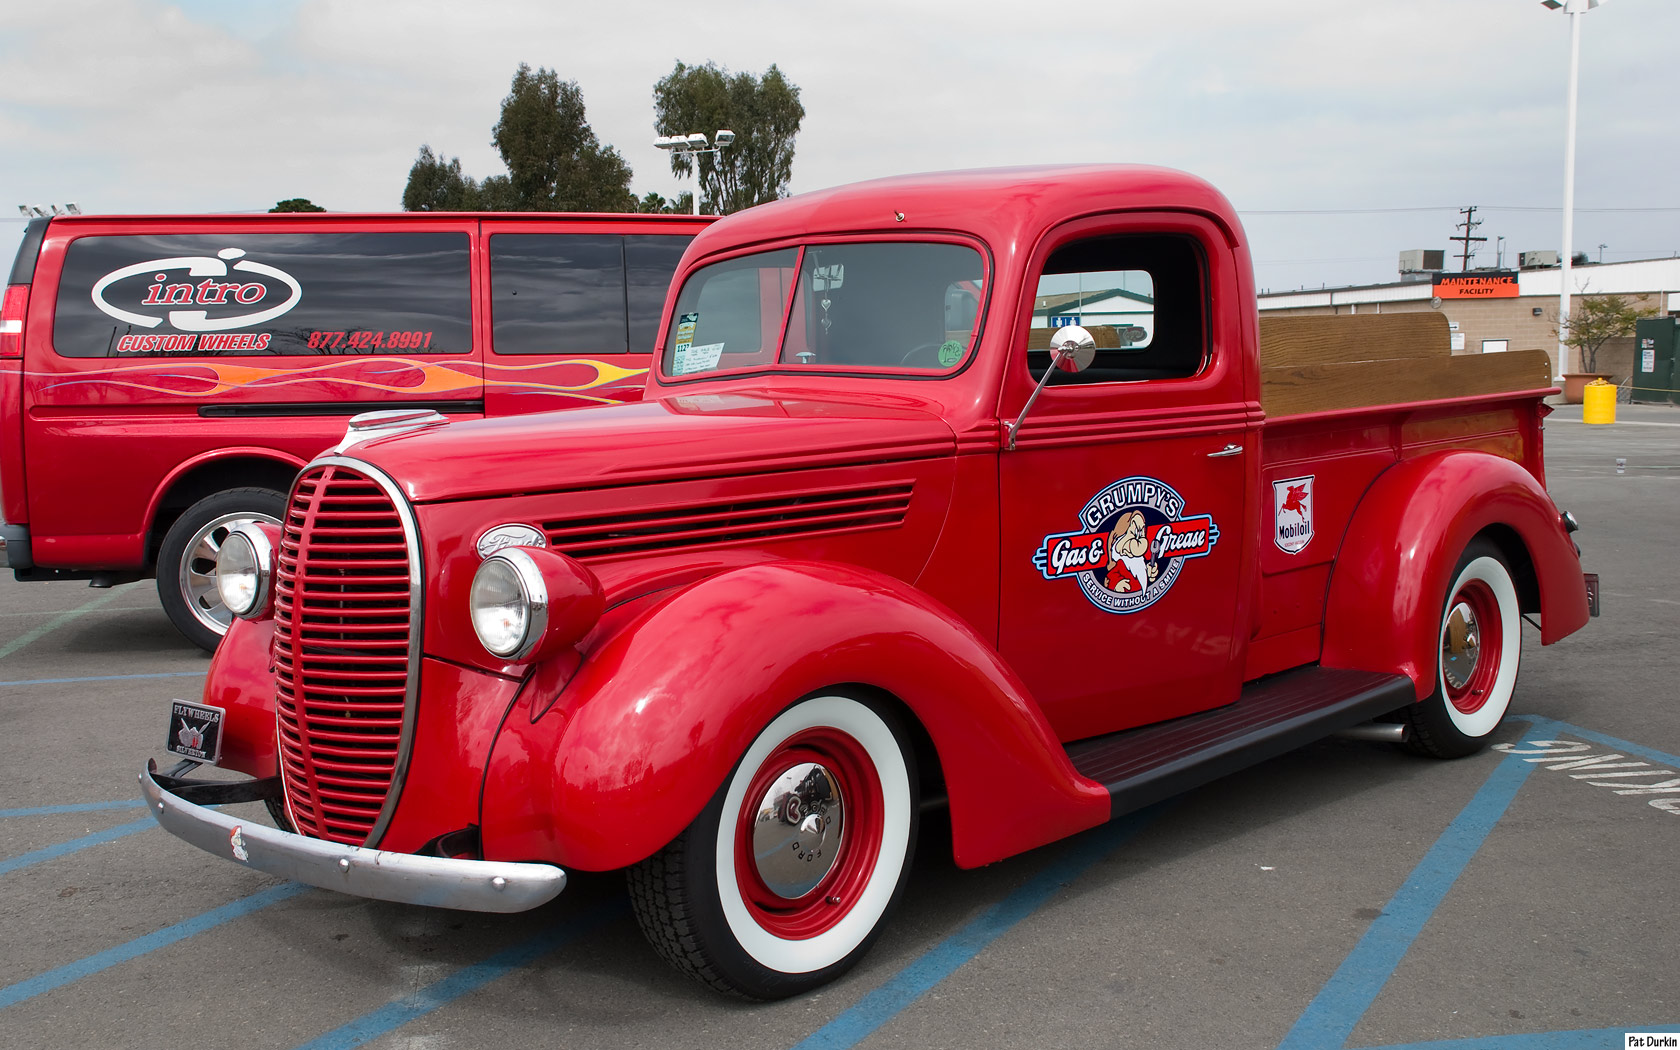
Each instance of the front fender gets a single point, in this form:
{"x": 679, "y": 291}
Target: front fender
{"x": 658, "y": 715}
{"x": 241, "y": 682}
{"x": 1404, "y": 541}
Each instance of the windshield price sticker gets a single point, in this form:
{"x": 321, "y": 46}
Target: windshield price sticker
{"x": 701, "y": 358}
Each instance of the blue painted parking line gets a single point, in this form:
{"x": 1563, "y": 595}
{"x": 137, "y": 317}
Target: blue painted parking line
{"x": 900, "y": 991}
{"x": 1332, "y": 1015}
{"x": 106, "y": 678}
{"x": 468, "y": 979}
{"x": 73, "y": 972}
{"x": 98, "y": 838}
{"x": 1547, "y": 725}
{"x": 75, "y": 807}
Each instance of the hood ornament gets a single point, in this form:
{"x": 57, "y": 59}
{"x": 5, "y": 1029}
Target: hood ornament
{"x": 388, "y": 422}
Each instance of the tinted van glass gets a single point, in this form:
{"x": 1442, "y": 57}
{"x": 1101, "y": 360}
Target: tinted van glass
{"x": 264, "y": 294}
{"x": 563, "y": 293}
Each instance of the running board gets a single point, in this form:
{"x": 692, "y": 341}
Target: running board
{"x": 1273, "y": 716}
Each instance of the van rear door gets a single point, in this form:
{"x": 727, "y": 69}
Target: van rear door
{"x": 574, "y": 307}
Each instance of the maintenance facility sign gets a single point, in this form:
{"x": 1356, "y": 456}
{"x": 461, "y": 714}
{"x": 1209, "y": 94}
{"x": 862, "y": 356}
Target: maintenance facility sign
{"x": 1489, "y": 284}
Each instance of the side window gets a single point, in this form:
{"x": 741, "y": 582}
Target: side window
{"x": 557, "y": 293}
{"x": 1140, "y": 297}
{"x": 649, "y": 263}
{"x": 264, "y": 294}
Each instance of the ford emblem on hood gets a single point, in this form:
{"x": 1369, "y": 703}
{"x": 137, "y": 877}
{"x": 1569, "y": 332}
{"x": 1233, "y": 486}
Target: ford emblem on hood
{"x": 514, "y": 535}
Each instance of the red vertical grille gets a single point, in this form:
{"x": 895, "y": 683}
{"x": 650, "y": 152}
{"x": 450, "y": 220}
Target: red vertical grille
{"x": 342, "y": 612}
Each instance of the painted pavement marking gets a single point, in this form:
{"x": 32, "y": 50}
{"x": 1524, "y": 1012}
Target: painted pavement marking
{"x": 1611, "y": 770}
{"x": 74, "y": 807}
{"x": 60, "y": 620}
{"x": 98, "y": 838}
{"x": 105, "y": 678}
{"x": 921, "y": 975}
{"x": 463, "y": 981}
{"x": 1333, "y": 1014}
{"x": 70, "y": 973}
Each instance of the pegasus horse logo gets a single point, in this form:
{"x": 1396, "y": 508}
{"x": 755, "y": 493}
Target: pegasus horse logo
{"x": 191, "y": 736}
{"x": 1295, "y": 499}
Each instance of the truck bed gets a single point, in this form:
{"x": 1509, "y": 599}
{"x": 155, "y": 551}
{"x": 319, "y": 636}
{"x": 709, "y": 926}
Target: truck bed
{"x": 1326, "y": 363}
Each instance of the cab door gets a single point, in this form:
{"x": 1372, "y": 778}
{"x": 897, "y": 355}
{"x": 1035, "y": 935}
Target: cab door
{"x": 1126, "y": 501}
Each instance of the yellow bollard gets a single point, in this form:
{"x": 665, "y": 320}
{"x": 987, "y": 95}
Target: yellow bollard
{"x": 1598, "y": 402}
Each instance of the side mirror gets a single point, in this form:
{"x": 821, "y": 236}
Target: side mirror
{"x": 1073, "y": 350}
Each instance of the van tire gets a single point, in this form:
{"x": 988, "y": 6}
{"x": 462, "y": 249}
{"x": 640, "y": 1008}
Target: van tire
{"x": 186, "y": 568}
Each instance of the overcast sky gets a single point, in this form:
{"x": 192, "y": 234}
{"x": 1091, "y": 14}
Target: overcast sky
{"x": 1343, "y": 130}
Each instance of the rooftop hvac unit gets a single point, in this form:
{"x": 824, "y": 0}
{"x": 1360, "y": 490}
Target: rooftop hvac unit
{"x": 1423, "y": 260}
{"x": 1536, "y": 260}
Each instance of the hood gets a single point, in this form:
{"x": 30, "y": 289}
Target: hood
{"x": 682, "y": 436}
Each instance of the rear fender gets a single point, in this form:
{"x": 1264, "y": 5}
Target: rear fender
{"x": 1404, "y": 541}
{"x": 657, "y": 716}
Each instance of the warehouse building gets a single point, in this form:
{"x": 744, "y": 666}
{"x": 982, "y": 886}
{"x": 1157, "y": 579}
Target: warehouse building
{"x": 1489, "y": 311}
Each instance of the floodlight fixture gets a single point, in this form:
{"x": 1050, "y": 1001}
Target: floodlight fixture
{"x": 724, "y": 137}
{"x": 697, "y": 141}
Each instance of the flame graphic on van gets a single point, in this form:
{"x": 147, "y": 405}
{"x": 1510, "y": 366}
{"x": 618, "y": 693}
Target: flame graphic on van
{"x": 208, "y": 291}
{"x": 406, "y": 376}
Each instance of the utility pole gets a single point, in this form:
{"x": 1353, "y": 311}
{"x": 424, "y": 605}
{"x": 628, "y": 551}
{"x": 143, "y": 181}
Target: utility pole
{"x": 1469, "y": 225}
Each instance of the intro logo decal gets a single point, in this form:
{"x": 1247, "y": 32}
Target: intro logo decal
{"x": 1132, "y": 547}
{"x": 1292, "y": 513}
{"x": 207, "y": 290}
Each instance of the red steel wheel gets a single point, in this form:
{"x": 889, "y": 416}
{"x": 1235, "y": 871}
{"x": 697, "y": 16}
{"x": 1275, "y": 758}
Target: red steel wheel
{"x": 782, "y": 881}
{"x": 1480, "y": 646}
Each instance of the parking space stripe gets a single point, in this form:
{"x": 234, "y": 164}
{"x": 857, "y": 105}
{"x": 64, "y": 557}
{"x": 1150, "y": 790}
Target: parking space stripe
{"x": 1575, "y": 1040}
{"x": 900, "y": 991}
{"x": 106, "y": 678}
{"x": 1548, "y": 725}
{"x": 72, "y": 972}
{"x": 468, "y": 979}
{"x": 1333, "y": 1014}
{"x": 76, "y": 807}
{"x": 45, "y": 853}
{"x": 59, "y": 621}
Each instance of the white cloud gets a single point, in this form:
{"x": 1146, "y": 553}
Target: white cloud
{"x": 138, "y": 105}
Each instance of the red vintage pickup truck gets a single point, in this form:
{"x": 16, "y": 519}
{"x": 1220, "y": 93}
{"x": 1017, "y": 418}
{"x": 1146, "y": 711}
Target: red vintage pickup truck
{"x": 978, "y": 494}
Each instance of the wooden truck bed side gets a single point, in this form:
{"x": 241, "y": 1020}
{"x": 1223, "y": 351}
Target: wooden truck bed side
{"x": 1347, "y": 397}
{"x": 1325, "y": 363}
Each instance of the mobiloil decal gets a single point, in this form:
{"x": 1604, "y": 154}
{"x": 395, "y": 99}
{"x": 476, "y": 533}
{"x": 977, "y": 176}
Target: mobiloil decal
{"x": 1292, "y": 513}
{"x": 1132, "y": 547}
{"x": 196, "y": 293}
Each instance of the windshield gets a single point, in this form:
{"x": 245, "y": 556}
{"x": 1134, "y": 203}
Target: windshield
{"x": 898, "y": 306}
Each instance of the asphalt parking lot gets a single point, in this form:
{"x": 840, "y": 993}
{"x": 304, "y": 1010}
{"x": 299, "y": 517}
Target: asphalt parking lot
{"x": 1345, "y": 895}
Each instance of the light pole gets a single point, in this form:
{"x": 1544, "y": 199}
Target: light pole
{"x": 1575, "y": 9}
{"x": 694, "y": 145}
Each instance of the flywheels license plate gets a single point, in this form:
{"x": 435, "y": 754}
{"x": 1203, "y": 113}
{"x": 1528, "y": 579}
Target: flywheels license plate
{"x": 195, "y": 731}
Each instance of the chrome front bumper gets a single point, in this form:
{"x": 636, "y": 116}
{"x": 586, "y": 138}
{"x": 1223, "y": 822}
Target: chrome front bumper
{"x": 437, "y": 882}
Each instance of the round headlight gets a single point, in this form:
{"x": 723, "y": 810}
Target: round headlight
{"x": 508, "y": 606}
{"x": 239, "y": 574}
{"x": 529, "y": 603}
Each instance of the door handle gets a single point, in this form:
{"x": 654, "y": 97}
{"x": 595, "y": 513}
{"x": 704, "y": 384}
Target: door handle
{"x": 1228, "y": 450}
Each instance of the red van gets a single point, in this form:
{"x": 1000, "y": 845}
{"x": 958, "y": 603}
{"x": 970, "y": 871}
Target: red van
{"x": 163, "y": 378}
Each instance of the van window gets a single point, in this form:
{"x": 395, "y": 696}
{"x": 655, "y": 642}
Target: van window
{"x": 564, "y": 293}
{"x": 265, "y": 294}
{"x": 1141, "y": 299}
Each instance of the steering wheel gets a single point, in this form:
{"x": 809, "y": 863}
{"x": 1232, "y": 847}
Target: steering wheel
{"x": 924, "y": 348}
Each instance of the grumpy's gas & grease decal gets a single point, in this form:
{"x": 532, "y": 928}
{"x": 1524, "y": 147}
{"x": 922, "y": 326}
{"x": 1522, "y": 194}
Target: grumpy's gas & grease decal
{"x": 1134, "y": 541}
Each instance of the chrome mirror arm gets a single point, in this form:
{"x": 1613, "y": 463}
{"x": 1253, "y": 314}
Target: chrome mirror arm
{"x": 1015, "y": 424}
{"x": 1075, "y": 350}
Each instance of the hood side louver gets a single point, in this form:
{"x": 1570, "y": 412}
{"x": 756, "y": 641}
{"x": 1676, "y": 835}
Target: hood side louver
{"x": 808, "y": 513}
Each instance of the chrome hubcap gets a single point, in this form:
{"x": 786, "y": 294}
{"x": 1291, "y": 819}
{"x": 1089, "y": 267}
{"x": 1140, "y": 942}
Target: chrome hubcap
{"x": 1461, "y": 646}
{"x": 198, "y": 569}
{"x": 797, "y": 833}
